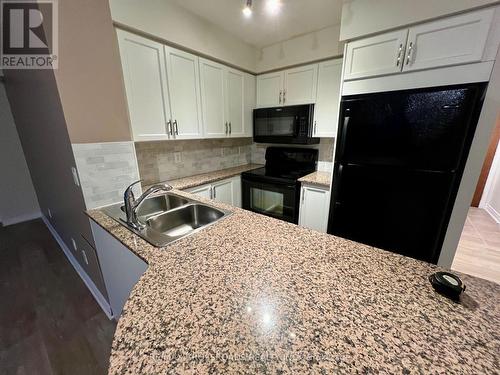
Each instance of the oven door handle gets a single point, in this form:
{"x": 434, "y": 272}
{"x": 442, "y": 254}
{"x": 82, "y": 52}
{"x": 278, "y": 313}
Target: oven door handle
{"x": 296, "y": 125}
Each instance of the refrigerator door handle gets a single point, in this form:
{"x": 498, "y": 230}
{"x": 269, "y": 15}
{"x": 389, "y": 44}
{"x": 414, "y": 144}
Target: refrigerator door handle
{"x": 337, "y": 181}
{"x": 343, "y": 136}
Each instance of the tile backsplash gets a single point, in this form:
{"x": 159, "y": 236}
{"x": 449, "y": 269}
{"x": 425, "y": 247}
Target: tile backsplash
{"x": 325, "y": 150}
{"x": 168, "y": 160}
{"x": 105, "y": 170}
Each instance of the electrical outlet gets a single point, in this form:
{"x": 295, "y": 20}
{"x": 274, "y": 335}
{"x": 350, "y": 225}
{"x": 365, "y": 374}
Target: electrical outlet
{"x": 85, "y": 257}
{"x": 49, "y": 212}
{"x": 177, "y": 157}
{"x": 75, "y": 176}
{"x": 74, "y": 244}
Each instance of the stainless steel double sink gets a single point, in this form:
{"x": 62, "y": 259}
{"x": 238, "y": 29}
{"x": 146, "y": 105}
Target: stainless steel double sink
{"x": 168, "y": 217}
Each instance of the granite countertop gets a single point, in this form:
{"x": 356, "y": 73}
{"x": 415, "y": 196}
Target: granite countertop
{"x": 251, "y": 294}
{"x": 206, "y": 178}
{"x": 318, "y": 178}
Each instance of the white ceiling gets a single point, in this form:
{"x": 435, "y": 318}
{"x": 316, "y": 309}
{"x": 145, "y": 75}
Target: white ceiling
{"x": 296, "y": 17}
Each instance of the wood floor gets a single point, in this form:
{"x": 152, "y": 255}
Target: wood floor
{"x": 49, "y": 321}
{"x": 478, "y": 251}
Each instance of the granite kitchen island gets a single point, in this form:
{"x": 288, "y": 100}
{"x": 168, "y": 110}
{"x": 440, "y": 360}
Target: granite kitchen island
{"x": 251, "y": 294}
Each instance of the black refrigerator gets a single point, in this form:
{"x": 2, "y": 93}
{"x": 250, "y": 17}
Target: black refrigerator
{"x": 398, "y": 165}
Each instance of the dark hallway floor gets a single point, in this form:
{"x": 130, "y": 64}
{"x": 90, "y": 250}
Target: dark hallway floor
{"x": 49, "y": 321}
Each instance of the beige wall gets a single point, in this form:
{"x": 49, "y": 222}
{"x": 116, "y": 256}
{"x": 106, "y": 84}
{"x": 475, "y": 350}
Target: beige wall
{"x": 171, "y": 22}
{"x": 18, "y": 201}
{"x": 89, "y": 77}
{"x": 363, "y": 17}
{"x": 491, "y": 199}
{"x": 317, "y": 45}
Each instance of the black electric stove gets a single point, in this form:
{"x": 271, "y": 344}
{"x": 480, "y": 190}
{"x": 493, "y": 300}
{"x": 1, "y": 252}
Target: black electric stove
{"x": 274, "y": 190}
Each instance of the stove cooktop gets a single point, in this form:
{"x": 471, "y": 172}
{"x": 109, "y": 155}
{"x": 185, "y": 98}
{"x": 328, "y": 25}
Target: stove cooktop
{"x": 289, "y": 176}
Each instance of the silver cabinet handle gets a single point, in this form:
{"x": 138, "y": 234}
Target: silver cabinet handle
{"x": 281, "y": 93}
{"x": 410, "y": 50}
{"x": 229, "y": 127}
{"x": 176, "y": 128}
{"x": 225, "y": 124}
{"x": 284, "y": 96}
{"x": 169, "y": 127}
{"x": 214, "y": 192}
{"x": 400, "y": 50}
{"x": 315, "y": 127}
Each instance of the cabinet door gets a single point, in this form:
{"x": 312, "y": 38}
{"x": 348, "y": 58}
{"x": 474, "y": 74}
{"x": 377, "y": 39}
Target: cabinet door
{"x": 237, "y": 191}
{"x": 326, "y": 110}
{"x": 454, "y": 40}
{"x": 212, "y": 98}
{"x": 91, "y": 264}
{"x": 184, "y": 87}
{"x": 234, "y": 101}
{"x": 314, "y": 208}
{"x": 223, "y": 191}
{"x": 269, "y": 89}
{"x": 121, "y": 268}
{"x": 378, "y": 55}
{"x": 250, "y": 102}
{"x": 204, "y": 191}
{"x": 300, "y": 85}
{"x": 146, "y": 87}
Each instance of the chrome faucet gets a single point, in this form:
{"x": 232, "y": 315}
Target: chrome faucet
{"x": 131, "y": 204}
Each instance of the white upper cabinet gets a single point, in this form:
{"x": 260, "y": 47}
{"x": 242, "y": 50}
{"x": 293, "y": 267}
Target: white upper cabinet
{"x": 450, "y": 41}
{"x": 455, "y": 40}
{"x": 378, "y": 55}
{"x": 212, "y": 96}
{"x": 288, "y": 87}
{"x": 223, "y": 95}
{"x": 328, "y": 98}
{"x": 300, "y": 85}
{"x": 270, "y": 89}
{"x": 249, "y": 104}
{"x": 235, "y": 102}
{"x": 184, "y": 89}
{"x": 173, "y": 94}
{"x": 146, "y": 87}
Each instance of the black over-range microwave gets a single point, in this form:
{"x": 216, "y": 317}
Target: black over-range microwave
{"x": 290, "y": 125}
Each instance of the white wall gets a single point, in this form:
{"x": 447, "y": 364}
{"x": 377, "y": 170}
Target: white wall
{"x": 175, "y": 24}
{"x": 482, "y": 137}
{"x": 317, "y": 45}
{"x": 363, "y": 17}
{"x": 491, "y": 197}
{"x": 18, "y": 201}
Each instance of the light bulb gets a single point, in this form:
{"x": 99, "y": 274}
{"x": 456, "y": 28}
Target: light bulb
{"x": 273, "y": 6}
{"x": 247, "y": 12}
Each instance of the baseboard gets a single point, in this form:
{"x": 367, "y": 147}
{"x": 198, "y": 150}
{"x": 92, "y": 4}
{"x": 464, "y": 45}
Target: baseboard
{"x": 21, "y": 218}
{"x": 103, "y": 303}
{"x": 493, "y": 213}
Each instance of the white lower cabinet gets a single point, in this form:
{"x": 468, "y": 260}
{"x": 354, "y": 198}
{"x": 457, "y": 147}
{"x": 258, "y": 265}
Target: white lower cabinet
{"x": 314, "y": 208}
{"x": 225, "y": 191}
{"x": 203, "y": 191}
{"x": 121, "y": 269}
